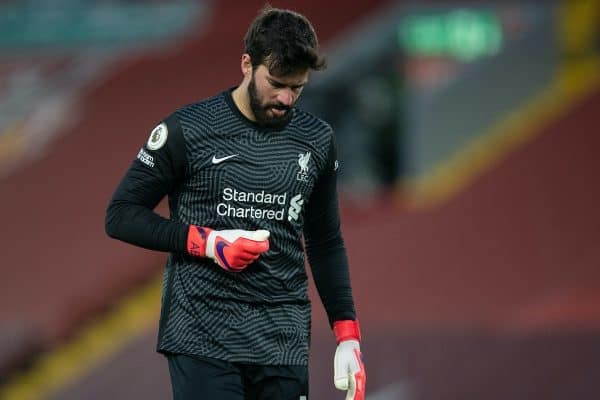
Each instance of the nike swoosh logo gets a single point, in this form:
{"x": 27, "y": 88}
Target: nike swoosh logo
{"x": 216, "y": 160}
{"x": 221, "y": 245}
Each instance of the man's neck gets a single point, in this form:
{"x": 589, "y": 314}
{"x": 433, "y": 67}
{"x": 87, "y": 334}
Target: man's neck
{"x": 242, "y": 102}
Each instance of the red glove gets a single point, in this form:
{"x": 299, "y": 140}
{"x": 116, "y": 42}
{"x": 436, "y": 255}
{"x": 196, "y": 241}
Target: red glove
{"x": 349, "y": 371}
{"x": 232, "y": 249}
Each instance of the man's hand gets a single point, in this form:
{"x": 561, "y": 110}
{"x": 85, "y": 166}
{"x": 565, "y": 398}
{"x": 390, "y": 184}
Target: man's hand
{"x": 349, "y": 371}
{"x": 232, "y": 249}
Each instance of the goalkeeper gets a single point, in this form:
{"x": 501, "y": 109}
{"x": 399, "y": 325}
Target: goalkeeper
{"x": 247, "y": 175}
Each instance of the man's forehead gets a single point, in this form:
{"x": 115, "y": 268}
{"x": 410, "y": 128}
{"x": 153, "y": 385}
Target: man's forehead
{"x": 294, "y": 78}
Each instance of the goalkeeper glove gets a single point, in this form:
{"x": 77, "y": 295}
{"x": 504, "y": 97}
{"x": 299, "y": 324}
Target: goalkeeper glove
{"x": 349, "y": 371}
{"x": 232, "y": 249}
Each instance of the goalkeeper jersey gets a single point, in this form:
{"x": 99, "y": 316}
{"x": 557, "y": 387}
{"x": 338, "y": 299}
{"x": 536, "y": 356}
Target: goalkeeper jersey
{"x": 223, "y": 171}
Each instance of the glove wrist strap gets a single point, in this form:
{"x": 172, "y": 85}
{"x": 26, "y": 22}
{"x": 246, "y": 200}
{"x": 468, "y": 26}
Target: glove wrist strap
{"x": 196, "y": 240}
{"x": 346, "y": 330}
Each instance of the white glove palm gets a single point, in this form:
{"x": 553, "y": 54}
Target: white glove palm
{"x": 349, "y": 371}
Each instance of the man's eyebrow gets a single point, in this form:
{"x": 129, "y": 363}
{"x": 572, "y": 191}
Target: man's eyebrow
{"x": 277, "y": 82}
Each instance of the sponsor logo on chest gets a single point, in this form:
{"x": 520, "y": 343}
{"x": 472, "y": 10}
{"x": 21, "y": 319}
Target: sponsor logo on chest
{"x": 263, "y": 204}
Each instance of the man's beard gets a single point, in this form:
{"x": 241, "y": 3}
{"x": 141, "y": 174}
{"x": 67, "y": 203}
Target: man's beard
{"x": 260, "y": 110}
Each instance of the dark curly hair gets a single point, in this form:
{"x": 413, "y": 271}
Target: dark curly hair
{"x": 284, "y": 41}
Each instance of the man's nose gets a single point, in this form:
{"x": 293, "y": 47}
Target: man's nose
{"x": 286, "y": 96}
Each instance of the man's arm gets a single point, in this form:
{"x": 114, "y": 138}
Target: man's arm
{"x": 159, "y": 167}
{"x": 329, "y": 264}
{"x": 325, "y": 246}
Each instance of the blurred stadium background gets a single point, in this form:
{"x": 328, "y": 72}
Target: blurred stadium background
{"x": 468, "y": 134}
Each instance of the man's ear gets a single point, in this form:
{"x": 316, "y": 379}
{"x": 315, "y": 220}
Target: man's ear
{"x": 246, "y": 65}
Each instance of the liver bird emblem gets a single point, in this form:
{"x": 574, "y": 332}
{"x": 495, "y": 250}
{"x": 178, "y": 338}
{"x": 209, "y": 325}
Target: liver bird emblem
{"x": 303, "y": 161}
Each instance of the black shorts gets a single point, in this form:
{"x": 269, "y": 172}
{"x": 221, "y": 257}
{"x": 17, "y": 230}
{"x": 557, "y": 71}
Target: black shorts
{"x": 200, "y": 378}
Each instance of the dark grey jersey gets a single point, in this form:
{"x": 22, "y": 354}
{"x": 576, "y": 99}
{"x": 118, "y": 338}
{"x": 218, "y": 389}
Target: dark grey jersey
{"x": 222, "y": 171}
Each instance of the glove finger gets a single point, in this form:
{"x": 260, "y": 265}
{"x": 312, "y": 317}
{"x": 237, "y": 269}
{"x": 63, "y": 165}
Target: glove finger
{"x": 231, "y": 260}
{"x": 257, "y": 236}
{"x": 340, "y": 373}
{"x": 247, "y": 258}
{"x": 350, "y": 395}
{"x": 233, "y": 266}
{"x": 360, "y": 377}
{"x": 244, "y": 248}
{"x": 252, "y": 246}
{"x": 341, "y": 383}
{"x": 360, "y": 380}
{"x": 251, "y": 257}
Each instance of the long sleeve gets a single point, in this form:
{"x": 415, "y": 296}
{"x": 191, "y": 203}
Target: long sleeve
{"x": 157, "y": 171}
{"x": 325, "y": 246}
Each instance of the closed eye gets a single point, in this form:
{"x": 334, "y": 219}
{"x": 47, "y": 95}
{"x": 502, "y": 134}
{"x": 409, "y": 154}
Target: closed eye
{"x": 277, "y": 85}
{"x": 280, "y": 85}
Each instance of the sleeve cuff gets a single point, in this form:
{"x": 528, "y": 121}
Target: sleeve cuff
{"x": 346, "y": 330}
